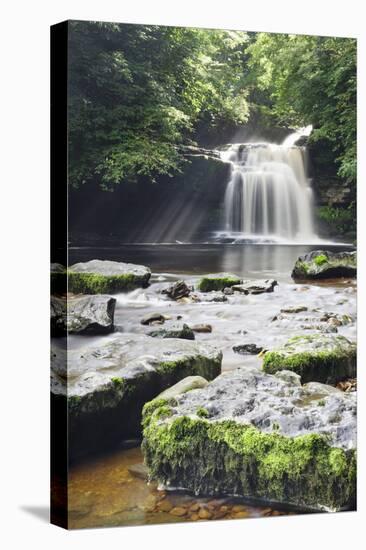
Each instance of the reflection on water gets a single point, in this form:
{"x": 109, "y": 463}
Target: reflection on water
{"x": 103, "y": 493}
{"x": 247, "y": 260}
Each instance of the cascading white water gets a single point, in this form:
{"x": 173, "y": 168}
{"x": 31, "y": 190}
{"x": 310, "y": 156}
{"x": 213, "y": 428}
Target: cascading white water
{"x": 269, "y": 194}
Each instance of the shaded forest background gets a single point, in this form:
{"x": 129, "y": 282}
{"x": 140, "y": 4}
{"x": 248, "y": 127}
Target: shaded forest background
{"x": 142, "y": 97}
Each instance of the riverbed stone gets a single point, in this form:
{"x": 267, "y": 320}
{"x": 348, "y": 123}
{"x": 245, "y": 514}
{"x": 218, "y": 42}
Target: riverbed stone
{"x": 258, "y": 286}
{"x": 108, "y": 383}
{"x": 326, "y": 358}
{"x": 155, "y": 317}
{"x": 247, "y": 349}
{"x": 217, "y": 281}
{"x": 82, "y": 315}
{"x": 257, "y": 436}
{"x": 323, "y": 264}
{"x": 174, "y": 331}
{"x": 177, "y": 290}
{"x": 104, "y": 276}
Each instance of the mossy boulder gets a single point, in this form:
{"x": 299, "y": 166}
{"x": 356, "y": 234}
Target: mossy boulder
{"x": 259, "y": 437}
{"x": 82, "y": 315}
{"x": 322, "y": 264}
{"x": 174, "y": 331}
{"x": 107, "y": 384}
{"x": 103, "y": 276}
{"x": 217, "y": 281}
{"x": 324, "y": 358}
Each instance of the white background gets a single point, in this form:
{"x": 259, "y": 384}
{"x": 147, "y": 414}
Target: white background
{"x": 24, "y": 218}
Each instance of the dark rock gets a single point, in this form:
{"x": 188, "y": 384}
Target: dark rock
{"x": 294, "y": 309}
{"x": 247, "y": 349}
{"x": 321, "y": 264}
{"x": 177, "y": 290}
{"x": 258, "y": 286}
{"x": 107, "y": 385}
{"x": 103, "y": 276}
{"x": 184, "y": 332}
{"x": 82, "y": 315}
{"x": 257, "y": 436}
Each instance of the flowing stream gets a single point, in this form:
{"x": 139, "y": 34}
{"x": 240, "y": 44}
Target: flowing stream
{"x": 269, "y": 195}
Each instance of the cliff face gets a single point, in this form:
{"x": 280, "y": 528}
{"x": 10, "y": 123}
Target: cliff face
{"x": 170, "y": 209}
{"x": 335, "y": 198}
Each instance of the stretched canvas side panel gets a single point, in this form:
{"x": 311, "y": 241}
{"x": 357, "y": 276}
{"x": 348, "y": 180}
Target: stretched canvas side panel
{"x": 59, "y": 446}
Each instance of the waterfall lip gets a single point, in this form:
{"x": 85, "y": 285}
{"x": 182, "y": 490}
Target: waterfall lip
{"x": 240, "y": 238}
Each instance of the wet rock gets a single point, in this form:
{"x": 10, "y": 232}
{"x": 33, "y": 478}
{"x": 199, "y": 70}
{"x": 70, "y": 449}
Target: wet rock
{"x": 322, "y": 264}
{"x": 82, "y": 315}
{"x": 107, "y": 384}
{"x": 104, "y": 276}
{"x": 216, "y": 297}
{"x": 228, "y": 291}
{"x": 316, "y": 357}
{"x": 139, "y": 470}
{"x": 174, "y": 331}
{"x": 247, "y": 349}
{"x": 217, "y": 281}
{"x": 294, "y": 309}
{"x": 204, "y": 513}
{"x": 153, "y": 318}
{"x": 165, "y": 506}
{"x": 177, "y": 290}
{"x": 291, "y": 444}
{"x": 187, "y": 384}
{"x": 178, "y": 511}
{"x": 201, "y": 328}
{"x": 258, "y": 286}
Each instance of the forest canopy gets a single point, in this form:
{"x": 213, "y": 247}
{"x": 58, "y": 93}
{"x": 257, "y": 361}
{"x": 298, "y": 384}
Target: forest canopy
{"x": 138, "y": 94}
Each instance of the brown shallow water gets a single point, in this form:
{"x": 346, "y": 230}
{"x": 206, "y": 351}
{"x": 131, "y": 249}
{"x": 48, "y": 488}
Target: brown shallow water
{"x": 103, "y": 493}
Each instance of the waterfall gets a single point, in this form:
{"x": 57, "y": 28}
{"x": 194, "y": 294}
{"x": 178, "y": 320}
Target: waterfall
{"x": 269, "y": 195}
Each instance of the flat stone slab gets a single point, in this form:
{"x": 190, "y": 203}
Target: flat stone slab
{"x": 82, "y": 315}
{"x": 258, "y": 286}
{"x": 104, "y": 276}
{"x": 108, "y": 384}
{"x": 323, "y": 264}
{"x": 258, "y": 436}
{"x": 217, "y": 281}
{"x": 324, "y": 358}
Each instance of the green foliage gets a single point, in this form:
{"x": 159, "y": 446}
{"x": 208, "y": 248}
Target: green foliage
{"x": 339, "y": 220}
{"x": 310, "y": 80}
{"x": 136, "y": 93}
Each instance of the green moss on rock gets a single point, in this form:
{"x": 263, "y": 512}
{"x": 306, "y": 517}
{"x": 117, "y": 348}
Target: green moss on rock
{"x": 225, "y": 457}
{"x": 217, "y": 281}
{"x": 92, "y": 283}
{"x": 319, "y": 358}
{"x": 321, "y": 264}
